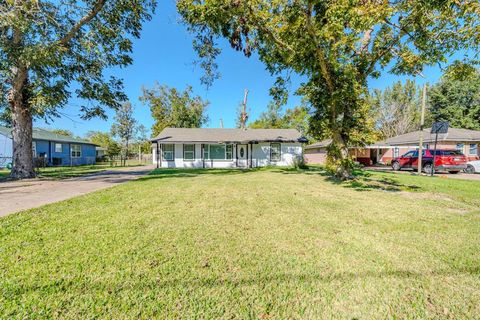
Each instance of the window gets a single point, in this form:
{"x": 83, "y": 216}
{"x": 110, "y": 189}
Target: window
{"x": 168, "y": 152}
{"x": 206, "y": 152}
{"x": 275, "y": 152}
{"x": 218, "y": 152}
{"x": 459, "y": 147}
{"x": 473, "y": 150}
{"x": 189, "y": 152}
{"x": 58, "y": 147}
{"x": 229, "y": 152}
{"x": 416, "y": 153}
{"x": 34, "y": 149}
{"x": 409, "y": 154}
{"x": 76, "y": 151}
{"x": 447, "y": 153}
{"x": 396, "y": 152}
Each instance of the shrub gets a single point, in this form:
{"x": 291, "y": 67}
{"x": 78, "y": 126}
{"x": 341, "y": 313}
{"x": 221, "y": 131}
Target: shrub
{"x": 299, "y": 163}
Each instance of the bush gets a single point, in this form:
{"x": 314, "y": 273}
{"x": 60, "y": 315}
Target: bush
{"x": 299, "y": 163}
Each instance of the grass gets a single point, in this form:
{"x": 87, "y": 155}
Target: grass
{"x": 64, "y": 172}
{"x": 4, "y": 173}
{"x": 269, "y": 244}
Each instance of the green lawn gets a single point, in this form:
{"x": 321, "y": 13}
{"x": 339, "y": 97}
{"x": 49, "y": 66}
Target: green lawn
{"x": 4, "y": 173}
{"x": 75, "y": 171}
{"x": 269, "y": 244}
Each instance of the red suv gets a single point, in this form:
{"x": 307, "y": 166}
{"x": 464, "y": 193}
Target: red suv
{"x": 452, "y": 161}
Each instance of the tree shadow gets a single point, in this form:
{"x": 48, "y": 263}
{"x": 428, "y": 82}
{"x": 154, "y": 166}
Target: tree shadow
{"x": 362, "y": 180}
{"x": 165, "y": 173}
{"x": 233, "y": 280}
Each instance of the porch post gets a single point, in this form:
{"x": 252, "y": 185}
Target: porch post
{"x": 157, "y": 151}
{"x": 236, "y": 154}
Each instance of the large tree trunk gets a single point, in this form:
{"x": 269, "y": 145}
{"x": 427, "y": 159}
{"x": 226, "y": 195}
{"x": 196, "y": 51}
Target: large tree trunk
{"x": 338, "y": 158}
{"x": 22, "y": 126}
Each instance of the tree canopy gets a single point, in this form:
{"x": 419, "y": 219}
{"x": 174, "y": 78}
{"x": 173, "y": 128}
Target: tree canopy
{"x": 100, "y": 138}
{"x": 173, "y": 108}
{"x": 457, "y": 100}
{"x": 293, "y": 118}
{"x": 397, "y": 109}
{"x": 124, "y": 127}
{"x": 63, "y": 132}
{"x": 51, "y": 51}
{"x": 337, "y": 46}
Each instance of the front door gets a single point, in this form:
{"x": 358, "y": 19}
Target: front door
{"x": 242, "y": 158}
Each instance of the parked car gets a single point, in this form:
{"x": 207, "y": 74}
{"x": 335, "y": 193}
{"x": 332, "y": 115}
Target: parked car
{"x": 452, "y": 161}
{"x": 473, "y": 167}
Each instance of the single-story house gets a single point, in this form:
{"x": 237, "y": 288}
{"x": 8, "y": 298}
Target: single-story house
{"x": 54, "y": 149}
{"x": 100, "y": 152}
{"x": 382, "y": 152}
{"x": 226, "y": 148}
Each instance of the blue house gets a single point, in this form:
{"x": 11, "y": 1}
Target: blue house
{"x": 58, "y": 150}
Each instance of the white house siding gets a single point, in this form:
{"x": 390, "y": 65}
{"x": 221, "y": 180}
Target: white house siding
{"x": 289, "y": 151}
{"x": 6, "y": 150}
{"x": 259, "y": 154}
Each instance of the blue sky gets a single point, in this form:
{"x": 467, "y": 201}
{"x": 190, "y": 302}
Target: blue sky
{"x": 164, "y": 54}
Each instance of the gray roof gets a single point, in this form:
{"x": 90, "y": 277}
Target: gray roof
{"x": 320, "y": 144}
{"x": 228, "y": 135}
{"x": 42, "y": 134}
{"x": 454, "y": 134}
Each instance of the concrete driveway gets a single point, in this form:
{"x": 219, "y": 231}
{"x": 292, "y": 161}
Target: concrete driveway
{"x": 25, "y": 194}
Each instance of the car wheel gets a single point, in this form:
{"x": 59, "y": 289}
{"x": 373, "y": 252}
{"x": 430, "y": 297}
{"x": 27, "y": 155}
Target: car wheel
{"x": 427, "y": 168}
{"x": 470, "y": 169}
{"x": 453, "y": 172}
{"x": 396, "y": 165}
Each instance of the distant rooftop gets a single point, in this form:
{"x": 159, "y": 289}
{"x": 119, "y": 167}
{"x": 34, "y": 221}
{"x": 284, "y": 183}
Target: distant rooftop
{"x": 42, "y": 134}
{"x": 454, "y": 134}
{"x": 208, "y": 135}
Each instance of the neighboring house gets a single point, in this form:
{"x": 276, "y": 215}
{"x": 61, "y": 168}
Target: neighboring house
{"x": 58, "y": 150}
{"x": 317, "y": 152}
{"x": 6, "y": 147}
{"x": 226, "y": 148}
{"x": 466, "y": 141}
{"x": 101, "y": 152}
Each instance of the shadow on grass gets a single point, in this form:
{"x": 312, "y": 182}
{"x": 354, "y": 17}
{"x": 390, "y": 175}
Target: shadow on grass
{"x": 165, "y": 173}
{"x": 363, "y": 180}
{"x": 278, "y": 278}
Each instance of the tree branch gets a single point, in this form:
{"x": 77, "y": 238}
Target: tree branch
{"x": 320, "y": 54}
{"x": 367, "y": 36}
{"x": 83, "y": 21}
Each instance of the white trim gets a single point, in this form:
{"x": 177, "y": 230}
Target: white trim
{"x": 61, "y": 147}
{"x": 77, "y": 153}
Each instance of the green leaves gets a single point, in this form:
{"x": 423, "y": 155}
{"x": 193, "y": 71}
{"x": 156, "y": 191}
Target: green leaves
{"x": 173, "y": 108}
{"x": 338, "y": 45}
{"x": 68, "y": 44}
{"x": 456, "y": 98}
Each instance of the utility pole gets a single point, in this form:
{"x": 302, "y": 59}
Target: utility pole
{"x": 422, "y": 122}
{"x": 244, "y": 115}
